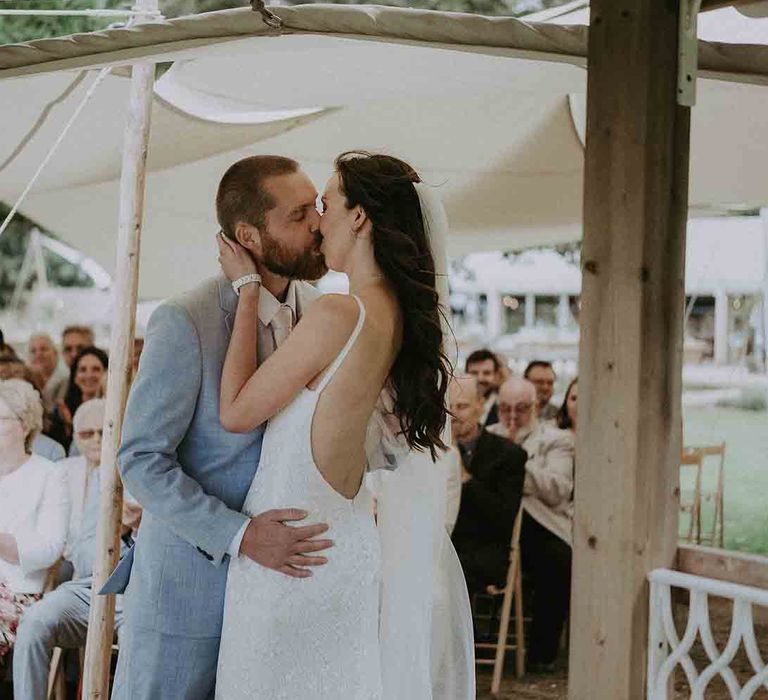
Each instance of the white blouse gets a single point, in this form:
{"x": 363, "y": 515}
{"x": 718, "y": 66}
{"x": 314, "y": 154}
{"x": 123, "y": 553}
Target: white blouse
{"x": 34, "y": 508}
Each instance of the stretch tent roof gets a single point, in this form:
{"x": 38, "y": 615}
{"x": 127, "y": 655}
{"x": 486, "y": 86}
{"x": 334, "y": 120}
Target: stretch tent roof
{"x": 489, "y": 109}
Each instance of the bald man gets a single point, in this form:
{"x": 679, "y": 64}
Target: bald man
{"x": 548, "y": 514}
{"x": 492, "y": 473}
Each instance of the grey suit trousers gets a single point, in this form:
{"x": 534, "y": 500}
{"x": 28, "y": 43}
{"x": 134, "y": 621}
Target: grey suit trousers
{"x": 60, "y": 619}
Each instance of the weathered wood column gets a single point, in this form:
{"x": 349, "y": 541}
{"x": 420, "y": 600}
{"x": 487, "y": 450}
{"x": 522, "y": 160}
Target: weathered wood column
{"x": 102, "y": 618}
{"x": 629, "y": 431}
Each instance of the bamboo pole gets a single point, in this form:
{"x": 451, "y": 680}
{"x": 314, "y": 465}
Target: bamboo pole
{"x": 630, "y": 356}
{"x": 102, "y": 616}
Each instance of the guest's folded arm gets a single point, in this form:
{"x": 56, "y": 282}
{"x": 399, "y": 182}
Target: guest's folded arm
{"x": 550, "y": 476}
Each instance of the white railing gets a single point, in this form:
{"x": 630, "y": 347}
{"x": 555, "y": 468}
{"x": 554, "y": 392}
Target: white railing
{"x": 666, "y": 650}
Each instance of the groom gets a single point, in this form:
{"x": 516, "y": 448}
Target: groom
{"x": 189, "y": 474}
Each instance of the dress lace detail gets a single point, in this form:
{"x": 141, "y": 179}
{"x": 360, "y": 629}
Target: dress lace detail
{"x": 305, "y": 638}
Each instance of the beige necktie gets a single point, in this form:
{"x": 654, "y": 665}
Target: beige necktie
{"x": 282, "y": 324}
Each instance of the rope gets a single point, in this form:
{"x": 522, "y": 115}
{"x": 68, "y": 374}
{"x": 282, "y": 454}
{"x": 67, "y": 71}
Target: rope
{"x": 269, "y": 17}
{"x": 99, "y": 78}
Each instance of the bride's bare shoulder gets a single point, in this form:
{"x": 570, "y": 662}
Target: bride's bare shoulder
{"x": 333, "y": 312}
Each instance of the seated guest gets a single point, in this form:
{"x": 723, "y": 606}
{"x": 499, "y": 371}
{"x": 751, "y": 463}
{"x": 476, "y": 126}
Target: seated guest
{"x": 493, "y": 470}
{"x": 34, "y": 508}
{"x": 85, "y": 383}
{"x": 43, "y": 359}
{"x": 88, "y": 424}
{"x": 138, "y": 348}
{"x": 5, "y": 350}
{"x": 75, "y": 339}
{"x": 486, "y": 367}
{"x": 566, "y": 416}
{"x": 542, "y": 376}
{"x": 548, "y": 515}
{"x": 61, "y": 618}
{"x": 42, "y": 445}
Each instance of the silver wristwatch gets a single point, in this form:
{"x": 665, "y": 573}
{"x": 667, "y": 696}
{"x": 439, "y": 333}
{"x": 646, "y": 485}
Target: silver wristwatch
{"x": 245, "y": 279}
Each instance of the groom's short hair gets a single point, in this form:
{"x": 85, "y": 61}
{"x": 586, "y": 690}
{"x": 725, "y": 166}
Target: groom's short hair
{"x": 242, "y": 196}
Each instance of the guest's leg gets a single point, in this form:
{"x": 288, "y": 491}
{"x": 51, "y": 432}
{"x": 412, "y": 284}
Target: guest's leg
{"x": 548, "y": 561}
{"x": 59, "y": 619}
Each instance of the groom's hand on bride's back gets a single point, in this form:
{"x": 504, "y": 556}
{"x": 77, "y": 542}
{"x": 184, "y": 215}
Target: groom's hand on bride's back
{"x": 285, "y": 548}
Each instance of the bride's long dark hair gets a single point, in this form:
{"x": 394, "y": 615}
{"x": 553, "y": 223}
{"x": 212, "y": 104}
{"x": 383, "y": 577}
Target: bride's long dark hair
{"x": 384, "y": 187}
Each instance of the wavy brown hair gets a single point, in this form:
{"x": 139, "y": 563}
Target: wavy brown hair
{"x": 384, "y": 187}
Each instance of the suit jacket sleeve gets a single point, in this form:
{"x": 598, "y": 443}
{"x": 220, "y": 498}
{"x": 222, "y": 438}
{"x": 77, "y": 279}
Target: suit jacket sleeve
{"x": 499, "y": 498}
{"x": 160, "y": 409}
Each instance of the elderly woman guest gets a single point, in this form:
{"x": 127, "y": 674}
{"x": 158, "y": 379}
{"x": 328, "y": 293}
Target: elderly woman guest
{"x": 85, "y": 383}
{"x": 14, "y": 368}
{"x": 34, "y": 508}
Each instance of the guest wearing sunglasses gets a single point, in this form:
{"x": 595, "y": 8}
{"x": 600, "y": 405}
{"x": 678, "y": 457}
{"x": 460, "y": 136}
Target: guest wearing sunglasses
{"x": 60, "y": 619}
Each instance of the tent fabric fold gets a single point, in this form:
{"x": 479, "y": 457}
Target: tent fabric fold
{"x": 489, "y": 109}
{"x": 154, "y": 39}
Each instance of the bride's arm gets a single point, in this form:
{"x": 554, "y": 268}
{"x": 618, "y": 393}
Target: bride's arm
{"x": 251, "y": 395}
{"x": 309, "y": 349}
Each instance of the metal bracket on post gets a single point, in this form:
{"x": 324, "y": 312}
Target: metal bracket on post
{"x": 687, "y": 52}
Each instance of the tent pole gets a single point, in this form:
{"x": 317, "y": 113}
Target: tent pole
{"x": 102, "y": 615}
{"x": 630, "y": 356}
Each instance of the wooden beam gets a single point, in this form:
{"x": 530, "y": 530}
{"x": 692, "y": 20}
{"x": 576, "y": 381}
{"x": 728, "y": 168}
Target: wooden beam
{"x": 736, "y": 567}
{"x": 102, "y": 616}
{"x": 630, "y": 358}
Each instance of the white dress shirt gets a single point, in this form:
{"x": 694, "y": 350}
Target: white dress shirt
{"x": 276, "y": 320}
{"x": 34, "y": 508}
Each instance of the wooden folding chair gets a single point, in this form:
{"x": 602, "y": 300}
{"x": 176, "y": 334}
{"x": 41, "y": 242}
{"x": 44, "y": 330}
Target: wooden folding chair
{"x": 690, "y": 501}
{"x": 512, "y": 590}
{"x": 711, "y": 496}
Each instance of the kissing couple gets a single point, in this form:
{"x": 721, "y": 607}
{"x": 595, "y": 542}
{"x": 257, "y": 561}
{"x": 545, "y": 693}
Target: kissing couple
{"x": 286, "y": 449}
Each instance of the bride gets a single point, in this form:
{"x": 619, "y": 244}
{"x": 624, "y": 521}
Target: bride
{"x": 359, "y": 384}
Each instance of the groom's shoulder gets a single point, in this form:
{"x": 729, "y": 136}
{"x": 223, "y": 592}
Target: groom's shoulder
{"x": 195, "y": 304}
{"x": 203, "y": 298}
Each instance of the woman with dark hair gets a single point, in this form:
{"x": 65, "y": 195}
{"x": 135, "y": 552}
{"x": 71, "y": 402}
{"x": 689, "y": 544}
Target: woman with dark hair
{"x": 566, "y": 415}
{"x": 366, "y": 364}
{"x": 85, "y": 383}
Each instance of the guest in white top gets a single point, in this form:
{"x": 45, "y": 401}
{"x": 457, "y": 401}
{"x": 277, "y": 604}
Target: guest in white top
{"x": 34, "y": 508}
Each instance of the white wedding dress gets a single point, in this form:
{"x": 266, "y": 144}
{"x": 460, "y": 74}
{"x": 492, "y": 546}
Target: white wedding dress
{"x": 388, "y": 617}
{"x": 304, "y": 638}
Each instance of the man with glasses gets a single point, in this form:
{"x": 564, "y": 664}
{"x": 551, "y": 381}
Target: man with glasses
{"x": 541, "y": 374}
{"x": 61, "y": 617}
{"x": 548, "y": 515}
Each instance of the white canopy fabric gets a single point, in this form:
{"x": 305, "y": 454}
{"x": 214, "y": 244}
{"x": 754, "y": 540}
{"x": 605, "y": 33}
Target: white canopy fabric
{"x": 488, "y": 109}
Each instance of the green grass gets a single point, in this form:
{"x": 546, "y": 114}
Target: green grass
{"x": 746, "y": 470}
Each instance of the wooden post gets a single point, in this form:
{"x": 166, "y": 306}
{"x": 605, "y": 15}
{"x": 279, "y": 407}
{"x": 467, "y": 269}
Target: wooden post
{"x": 630, "y": 427}
{"x": 102, "y": 618}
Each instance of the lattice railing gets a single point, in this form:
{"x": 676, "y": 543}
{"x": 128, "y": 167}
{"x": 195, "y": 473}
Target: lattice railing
{"x": 667, "y": 651}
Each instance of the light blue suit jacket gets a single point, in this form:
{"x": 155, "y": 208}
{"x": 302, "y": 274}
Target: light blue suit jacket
{"x": 190, "y": 475}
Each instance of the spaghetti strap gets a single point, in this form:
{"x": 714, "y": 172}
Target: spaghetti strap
{"x": 345, "y": 350}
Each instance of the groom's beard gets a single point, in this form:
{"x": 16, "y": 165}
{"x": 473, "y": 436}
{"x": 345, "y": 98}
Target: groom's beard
{"x": 307, "y": 264}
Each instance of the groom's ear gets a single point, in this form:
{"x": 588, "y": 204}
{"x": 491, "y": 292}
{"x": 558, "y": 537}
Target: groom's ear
{"x": 248, "y": 237}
